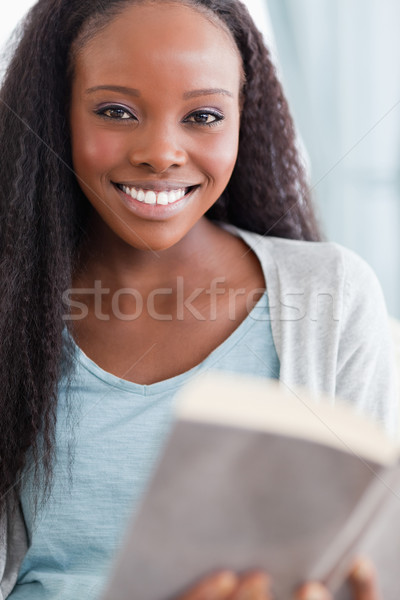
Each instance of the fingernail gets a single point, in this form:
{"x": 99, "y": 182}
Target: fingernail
{"x": 226, "y": 582}
{"x": 313, "y": 591}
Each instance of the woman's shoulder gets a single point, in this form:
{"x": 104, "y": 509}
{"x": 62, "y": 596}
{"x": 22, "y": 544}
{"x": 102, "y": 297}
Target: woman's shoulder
{"x": 322, "y": 261}
{"x": 298, "y": 250}
{"x": 299, "y": 260}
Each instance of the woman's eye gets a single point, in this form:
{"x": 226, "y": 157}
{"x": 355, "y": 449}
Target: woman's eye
{"x": 115, "y": 112}
{"x": 204, "y": 118}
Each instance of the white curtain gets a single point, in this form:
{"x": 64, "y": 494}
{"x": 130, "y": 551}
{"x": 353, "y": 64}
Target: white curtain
{"x": 340, "y": 63}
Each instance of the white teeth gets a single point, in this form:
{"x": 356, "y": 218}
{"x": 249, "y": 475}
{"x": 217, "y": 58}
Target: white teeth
{"x": 162, "y": 198}
{"x": 172, "y": 197}
{"x": 152, "y": 197}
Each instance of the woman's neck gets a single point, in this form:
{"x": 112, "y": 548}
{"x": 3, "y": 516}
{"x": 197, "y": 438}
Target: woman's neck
{"x": 108, "y": 258}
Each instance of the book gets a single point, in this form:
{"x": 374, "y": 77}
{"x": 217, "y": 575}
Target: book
{"x": 254, "y": 475}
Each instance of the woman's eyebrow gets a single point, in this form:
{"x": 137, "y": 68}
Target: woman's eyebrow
{"x": 114, "y": 88}
{"x": 207, "y": 92}
{"x": 134, "y": 92}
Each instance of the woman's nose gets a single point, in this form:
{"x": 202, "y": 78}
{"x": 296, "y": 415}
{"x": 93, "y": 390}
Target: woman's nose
{"x": 158, "y": 148}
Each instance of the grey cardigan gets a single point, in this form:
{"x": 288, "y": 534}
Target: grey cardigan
{"x": 331, "y": 333}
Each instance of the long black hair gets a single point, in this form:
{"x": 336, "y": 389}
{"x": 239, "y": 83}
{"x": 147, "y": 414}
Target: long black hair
{"x": 44, "y": 213}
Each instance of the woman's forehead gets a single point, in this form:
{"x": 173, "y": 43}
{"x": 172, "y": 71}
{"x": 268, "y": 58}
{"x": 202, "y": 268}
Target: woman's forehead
{"x": 154, "y": 40}
{"x": 99, "y": 21}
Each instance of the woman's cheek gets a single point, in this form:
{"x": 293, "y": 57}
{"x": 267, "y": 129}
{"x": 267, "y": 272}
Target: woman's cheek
{"x": 220, "y": 159}
{"x": 96, "y": 153}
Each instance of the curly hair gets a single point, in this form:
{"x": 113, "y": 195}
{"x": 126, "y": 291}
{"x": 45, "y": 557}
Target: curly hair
{"x": 44, "y": 213}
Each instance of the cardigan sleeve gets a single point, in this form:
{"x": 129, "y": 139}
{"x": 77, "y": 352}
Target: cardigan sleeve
{"x": 366, "y": 373}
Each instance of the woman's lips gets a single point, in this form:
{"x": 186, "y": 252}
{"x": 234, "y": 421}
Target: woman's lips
{"x": 161, "y": 197}
{"x": 155, "y": 203}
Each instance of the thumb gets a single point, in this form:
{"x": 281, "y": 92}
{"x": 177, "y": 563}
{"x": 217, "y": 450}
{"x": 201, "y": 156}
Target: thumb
{"x": 312, "y": 591}
{"x": 363, "y": 580}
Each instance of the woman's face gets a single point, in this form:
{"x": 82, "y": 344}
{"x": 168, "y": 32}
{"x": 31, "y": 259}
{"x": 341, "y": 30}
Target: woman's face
{"x": 155, "y": 121}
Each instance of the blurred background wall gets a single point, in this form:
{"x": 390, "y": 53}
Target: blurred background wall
{"x": 340, "y": 65}
{"x": 339, "y": 61}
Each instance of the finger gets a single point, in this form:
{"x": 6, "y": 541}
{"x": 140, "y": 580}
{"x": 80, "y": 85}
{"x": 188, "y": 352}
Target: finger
{"x": 312, "y": 591}
{"x": 363, "y": 581}
{"x": 252, "y": 586}
{"x": 216, "y": 587}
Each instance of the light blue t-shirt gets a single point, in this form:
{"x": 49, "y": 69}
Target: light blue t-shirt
{"x": 108, "y": 436}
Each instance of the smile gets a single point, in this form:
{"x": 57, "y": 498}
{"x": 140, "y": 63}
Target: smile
{"x": 163, "y": 197}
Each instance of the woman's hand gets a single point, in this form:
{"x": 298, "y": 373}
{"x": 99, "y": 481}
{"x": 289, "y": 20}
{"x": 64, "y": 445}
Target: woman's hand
{"x": 226, "y": 585}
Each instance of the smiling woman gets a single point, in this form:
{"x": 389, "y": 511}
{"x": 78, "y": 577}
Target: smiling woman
{"x": 149, "y": 177}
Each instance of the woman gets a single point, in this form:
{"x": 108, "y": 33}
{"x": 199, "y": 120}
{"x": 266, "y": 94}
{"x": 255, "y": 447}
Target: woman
{"x": 131, "y": 132}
